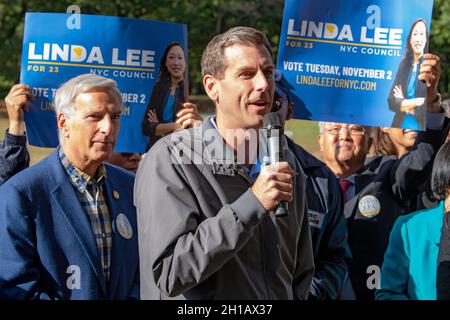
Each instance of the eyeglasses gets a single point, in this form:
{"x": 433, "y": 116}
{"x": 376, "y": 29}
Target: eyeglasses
{"x": 354, "y": 130}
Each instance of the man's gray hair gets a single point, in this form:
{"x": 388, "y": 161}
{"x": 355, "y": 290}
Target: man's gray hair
{"x": 67, "y": 94}
{"x": 213, "y": 59}
{"x": 323, "y": 124}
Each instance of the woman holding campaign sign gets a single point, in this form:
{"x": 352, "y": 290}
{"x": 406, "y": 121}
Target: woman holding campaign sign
{"x": 407, "y": 96}
{"x": 168, "y": 110}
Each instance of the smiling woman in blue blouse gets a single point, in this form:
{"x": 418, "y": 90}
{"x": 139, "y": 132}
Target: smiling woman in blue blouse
{"x": 407, "y": 96}
{"x": 167, "y": 109}
{"x": 410, "y": 262}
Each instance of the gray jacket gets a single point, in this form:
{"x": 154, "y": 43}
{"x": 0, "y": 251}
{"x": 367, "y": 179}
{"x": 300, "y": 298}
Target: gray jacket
{"x": 204, "y": 235}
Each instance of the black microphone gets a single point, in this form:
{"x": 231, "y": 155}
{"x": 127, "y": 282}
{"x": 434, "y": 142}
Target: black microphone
{"x": 274, "y": 130}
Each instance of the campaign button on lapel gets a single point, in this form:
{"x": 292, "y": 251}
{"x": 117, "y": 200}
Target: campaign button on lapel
{"x": 369, "y": 206}
{"x": 123, "y": 226}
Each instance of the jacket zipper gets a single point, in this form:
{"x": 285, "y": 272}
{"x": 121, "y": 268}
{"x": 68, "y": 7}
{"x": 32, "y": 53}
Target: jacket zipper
{"x": 261, "y": 248}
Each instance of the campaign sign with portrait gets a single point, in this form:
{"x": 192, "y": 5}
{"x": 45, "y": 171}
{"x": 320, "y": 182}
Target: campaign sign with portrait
{"x": 356, "y": 61}
{"x": 58, "y": 47}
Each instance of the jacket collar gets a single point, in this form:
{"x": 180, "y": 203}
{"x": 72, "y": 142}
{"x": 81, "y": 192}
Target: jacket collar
{"x": 205, "y": 143}
{"x": 217, "y": 151}
{"x": 62, "y": 192}
{"x": 220, "y": 155}
{"x": 80, "y": 179}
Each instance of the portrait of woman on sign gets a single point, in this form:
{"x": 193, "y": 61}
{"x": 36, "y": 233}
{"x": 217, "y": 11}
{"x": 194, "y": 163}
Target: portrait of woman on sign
{"x": 167, "y": 109}
{"x": 407, "y": 95}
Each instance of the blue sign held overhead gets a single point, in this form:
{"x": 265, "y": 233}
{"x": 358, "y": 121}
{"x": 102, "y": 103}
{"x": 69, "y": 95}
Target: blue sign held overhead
{"x": 126, "y": 50}
{"x": 356, "y": 61}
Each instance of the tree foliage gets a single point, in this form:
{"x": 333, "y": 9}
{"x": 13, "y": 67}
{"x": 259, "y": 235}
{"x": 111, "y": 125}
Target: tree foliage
{"x": 440, "y": 41}
{"x": 204, "y": 18}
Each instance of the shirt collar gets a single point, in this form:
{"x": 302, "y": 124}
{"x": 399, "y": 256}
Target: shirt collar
{"x": 255, "y": 169}
{"x": 80, "y": 179}
{"x": 349, "y": 178}
{"x": 213, "y": 122}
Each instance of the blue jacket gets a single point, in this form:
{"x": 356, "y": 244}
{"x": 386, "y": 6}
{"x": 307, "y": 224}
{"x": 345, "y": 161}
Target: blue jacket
{"x": 328, "y": 226}
{"x": 410, "y": 262}
{"x": 46, "y": 241}
{"x": 14, "y": 156}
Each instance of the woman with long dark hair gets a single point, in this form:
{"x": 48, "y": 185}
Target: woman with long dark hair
{"x": 407, "y": 96}
{"x": 167, "y": 109}
{"x": 392, "y": 141}
{"x": 410, "y": 263}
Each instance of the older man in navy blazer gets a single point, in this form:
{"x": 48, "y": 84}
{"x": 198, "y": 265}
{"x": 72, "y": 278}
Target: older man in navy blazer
{"x": 68, "y": 224}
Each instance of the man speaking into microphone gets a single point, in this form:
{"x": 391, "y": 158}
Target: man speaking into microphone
{"x": 206, "y": 212}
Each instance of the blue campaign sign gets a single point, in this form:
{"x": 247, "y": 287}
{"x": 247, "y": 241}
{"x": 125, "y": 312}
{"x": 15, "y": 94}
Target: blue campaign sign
{"x": 356, "y": 61}
{"x": 126, "y": 50}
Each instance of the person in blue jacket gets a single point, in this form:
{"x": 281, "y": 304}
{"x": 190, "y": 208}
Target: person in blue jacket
{"x": 410, "y": 262}
{"x": 14, "y": 155}
{"x": 325, "y": 211}
{"x": 68, "y": 224}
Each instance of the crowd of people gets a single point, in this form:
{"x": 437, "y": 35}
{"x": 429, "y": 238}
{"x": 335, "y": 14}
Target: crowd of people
{"x": 90, "y": 223}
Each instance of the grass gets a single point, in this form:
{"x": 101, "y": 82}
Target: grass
{"x": 304, "y": 132}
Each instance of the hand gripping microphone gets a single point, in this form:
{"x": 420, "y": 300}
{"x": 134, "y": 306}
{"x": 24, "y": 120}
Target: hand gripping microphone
{"x": 274, "y": 133}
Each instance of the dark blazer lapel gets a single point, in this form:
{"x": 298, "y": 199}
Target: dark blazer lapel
{"x": 63, "y": 194}
{"x": 361, "y": 181}
{"x": 349, "y": 207}
{"x": 118, "y": 242}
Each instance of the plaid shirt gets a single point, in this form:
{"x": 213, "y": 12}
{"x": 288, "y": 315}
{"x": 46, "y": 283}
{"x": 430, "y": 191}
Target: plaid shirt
{"x": 90, "y": 195}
